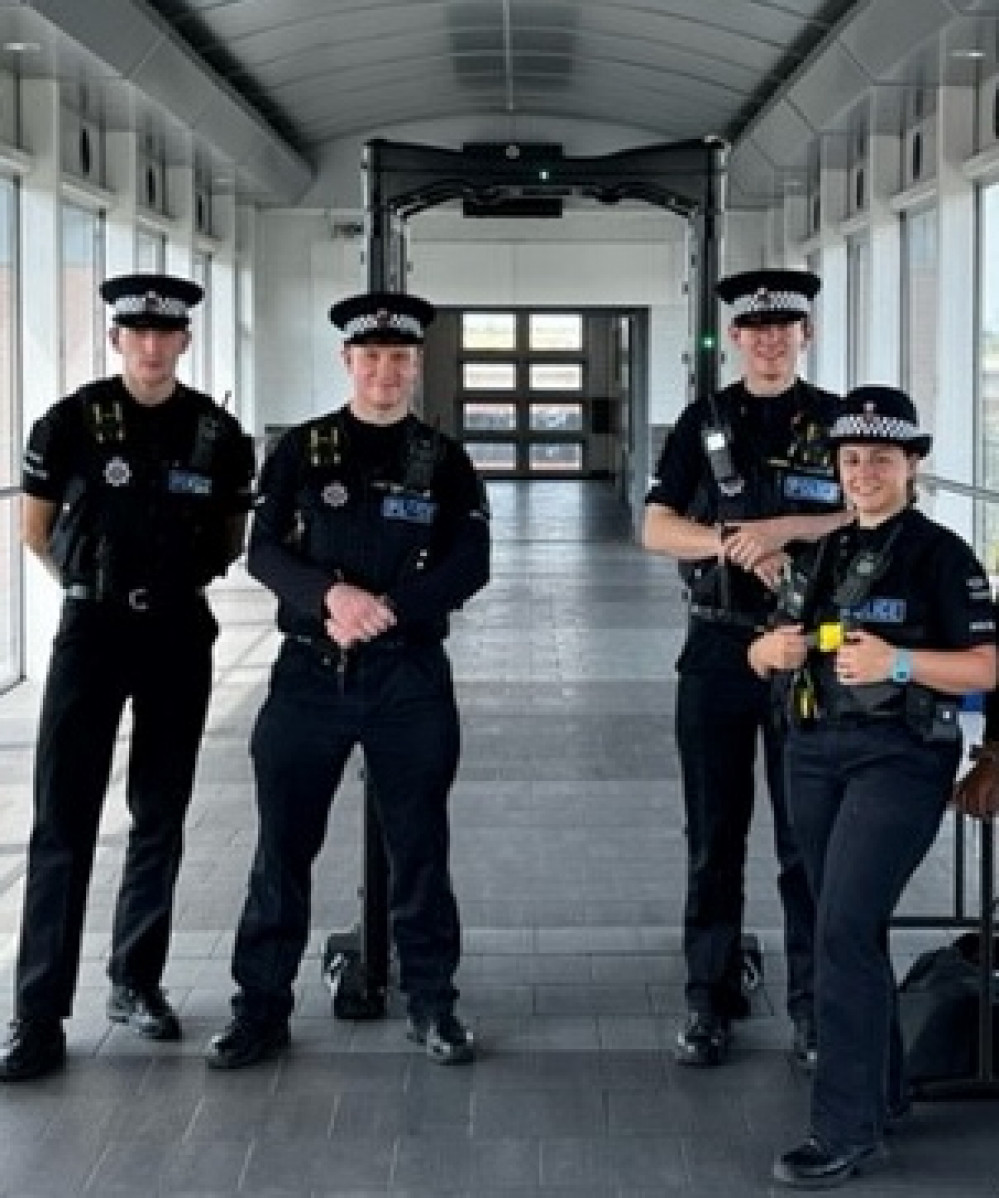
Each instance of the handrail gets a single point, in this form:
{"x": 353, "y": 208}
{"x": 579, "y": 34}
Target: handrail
{"x": 9, "y": 492}
{"x": 936, "y": 483}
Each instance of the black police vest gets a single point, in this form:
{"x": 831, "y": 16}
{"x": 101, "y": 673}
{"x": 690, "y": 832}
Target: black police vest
{"x": 795, "y": 477}
{"x": 891, "y": 603}
{"x": 136, "y": 516}
{"x": 370, "y": 523}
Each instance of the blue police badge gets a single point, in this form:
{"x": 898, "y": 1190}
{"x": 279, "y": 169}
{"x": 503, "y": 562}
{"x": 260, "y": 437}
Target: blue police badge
{"x": 335, "y": 494}
{"x": 410, "y": 508}
{"x": 117, "y": 473}
{"x": 812, "y": 488}
{"x": 188, "y": 482}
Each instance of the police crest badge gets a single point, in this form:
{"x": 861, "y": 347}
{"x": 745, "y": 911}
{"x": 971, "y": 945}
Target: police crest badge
{"x": 335, "y": 494}
{"x": 117, "y": 472}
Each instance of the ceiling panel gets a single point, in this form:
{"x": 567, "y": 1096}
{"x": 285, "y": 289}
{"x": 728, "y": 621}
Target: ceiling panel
{"x": 305, "y": 74}
{"x": 321, "y": 68}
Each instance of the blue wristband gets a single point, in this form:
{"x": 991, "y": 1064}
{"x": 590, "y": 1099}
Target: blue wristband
{"x": 901, "y": 667}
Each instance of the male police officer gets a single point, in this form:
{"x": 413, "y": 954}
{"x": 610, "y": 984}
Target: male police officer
{"x": 136, "y": 489}
{"x": 743, "y": 473}
{"x": 371, "y": 529}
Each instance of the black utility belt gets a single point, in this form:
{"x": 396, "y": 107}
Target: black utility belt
{"x": 933, "y": 717}
{"x": 722, "y": 615}
{"x": 386, "y": 643}
{"x": 138, "y": 599}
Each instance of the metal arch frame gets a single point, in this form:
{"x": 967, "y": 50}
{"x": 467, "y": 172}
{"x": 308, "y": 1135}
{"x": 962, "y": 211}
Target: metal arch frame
{"x": 404, "y": 179}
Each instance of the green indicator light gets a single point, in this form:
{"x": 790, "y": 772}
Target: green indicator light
{"x": 543, "y": 174}
{"x": 708, "y": 341}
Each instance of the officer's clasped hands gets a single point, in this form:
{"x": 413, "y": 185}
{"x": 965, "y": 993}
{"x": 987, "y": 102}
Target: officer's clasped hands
{"x": 355, "y": 615}
{"x": 750, "y": 543}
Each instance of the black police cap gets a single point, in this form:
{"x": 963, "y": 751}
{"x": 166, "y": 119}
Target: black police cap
{"x": 151, "y": 301}
{"x": 388, "y": 317}
{"x": 769, "y": 296}
{"x": 872, "y": 415}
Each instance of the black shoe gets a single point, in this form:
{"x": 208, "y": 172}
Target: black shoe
{"x": 805, "y": 1043}
{"x": 447, "y": 1040}
{"x": 704, "y": 1040}
{"x": 144, "y": 1011}
{"x": 246, "y": 1042}
{"x": 34, "y": 1048}
{"x": 814, "y": 1166}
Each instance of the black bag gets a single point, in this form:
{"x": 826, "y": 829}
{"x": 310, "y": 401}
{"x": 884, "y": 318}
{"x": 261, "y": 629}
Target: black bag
{"x": 938, "y": 1011}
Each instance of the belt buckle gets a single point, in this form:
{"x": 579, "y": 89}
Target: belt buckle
{"x": 138, "y": 599}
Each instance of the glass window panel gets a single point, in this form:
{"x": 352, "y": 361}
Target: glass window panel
{"x": 9, "y": 455}
{"x": 556, "y": 416}
{"x": 82, "y": 307}
{"x": 481, "y": 417}
{"x": 492, "y": 455}
{"x": 556, "y": 455}
{"x": 812, "y": 360}
{"x": 988, "y": 357}
{"x": 489, "y": 376}
{"x": 556, "y": 376}
{"x": 199, "y": 353}
{"x": 555, "y": 330}
{"x": 919, "y": 319}
{"x": 10, "y": 594}
{"x": 150, "y": 251}
{"x": 488, "y": 330}
{"x": 859, "y": 306}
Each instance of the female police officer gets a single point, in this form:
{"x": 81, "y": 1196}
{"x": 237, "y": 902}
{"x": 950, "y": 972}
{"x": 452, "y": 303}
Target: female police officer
{"x": 371, "y": 528}
{"x": 894, "y": 619}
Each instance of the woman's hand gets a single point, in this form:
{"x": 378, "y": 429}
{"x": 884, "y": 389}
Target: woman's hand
{"x": 864, "y": 658}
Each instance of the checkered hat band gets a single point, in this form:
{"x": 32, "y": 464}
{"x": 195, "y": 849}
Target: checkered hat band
{"x": 150, "y": 305}
{"x": 879, "y": 428}
{"x": 770, "y": 301}
{"x": 369, "y": 322}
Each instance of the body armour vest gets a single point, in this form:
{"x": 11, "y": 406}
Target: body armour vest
{"x": 778, "y": 464}
{"x": 143, "y": 509}
{"x": 367, "y": 509}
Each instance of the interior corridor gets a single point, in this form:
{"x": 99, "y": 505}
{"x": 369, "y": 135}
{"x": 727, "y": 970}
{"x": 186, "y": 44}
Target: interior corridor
{"x": 568, "y": 859}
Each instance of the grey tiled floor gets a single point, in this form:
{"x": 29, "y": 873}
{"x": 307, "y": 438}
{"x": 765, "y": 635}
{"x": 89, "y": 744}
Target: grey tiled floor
{"x": 568, "y": 862}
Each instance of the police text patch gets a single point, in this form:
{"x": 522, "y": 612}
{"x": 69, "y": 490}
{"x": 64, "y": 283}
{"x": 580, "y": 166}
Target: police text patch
{"x": 409, "y": 508}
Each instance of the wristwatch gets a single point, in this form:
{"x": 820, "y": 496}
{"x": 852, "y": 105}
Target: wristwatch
{"x": 901, "y": 667}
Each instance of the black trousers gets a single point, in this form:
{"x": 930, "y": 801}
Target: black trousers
{"x": 866, "y": 802}
{"x": 398, "y": 704}
{"x": 104, "y": 655}
{"x": 720, "y": 716}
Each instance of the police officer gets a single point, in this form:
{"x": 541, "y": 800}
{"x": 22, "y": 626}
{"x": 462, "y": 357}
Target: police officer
{"x": 895, "y": 623}
{"x": 743, "y": 474}
{"x": 372, "y": 528}
{"x": 136, "y": 491}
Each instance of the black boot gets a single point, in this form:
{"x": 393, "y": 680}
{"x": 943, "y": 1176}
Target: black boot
{"x": 813, "y": 1165}
{"x": 445, "y": 1037}
{"x": 703, "y": 1040}
{"x": 34, "y": 1048}
{"x": 246, "y": 1042}
{"x": 144, "y": 1011}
